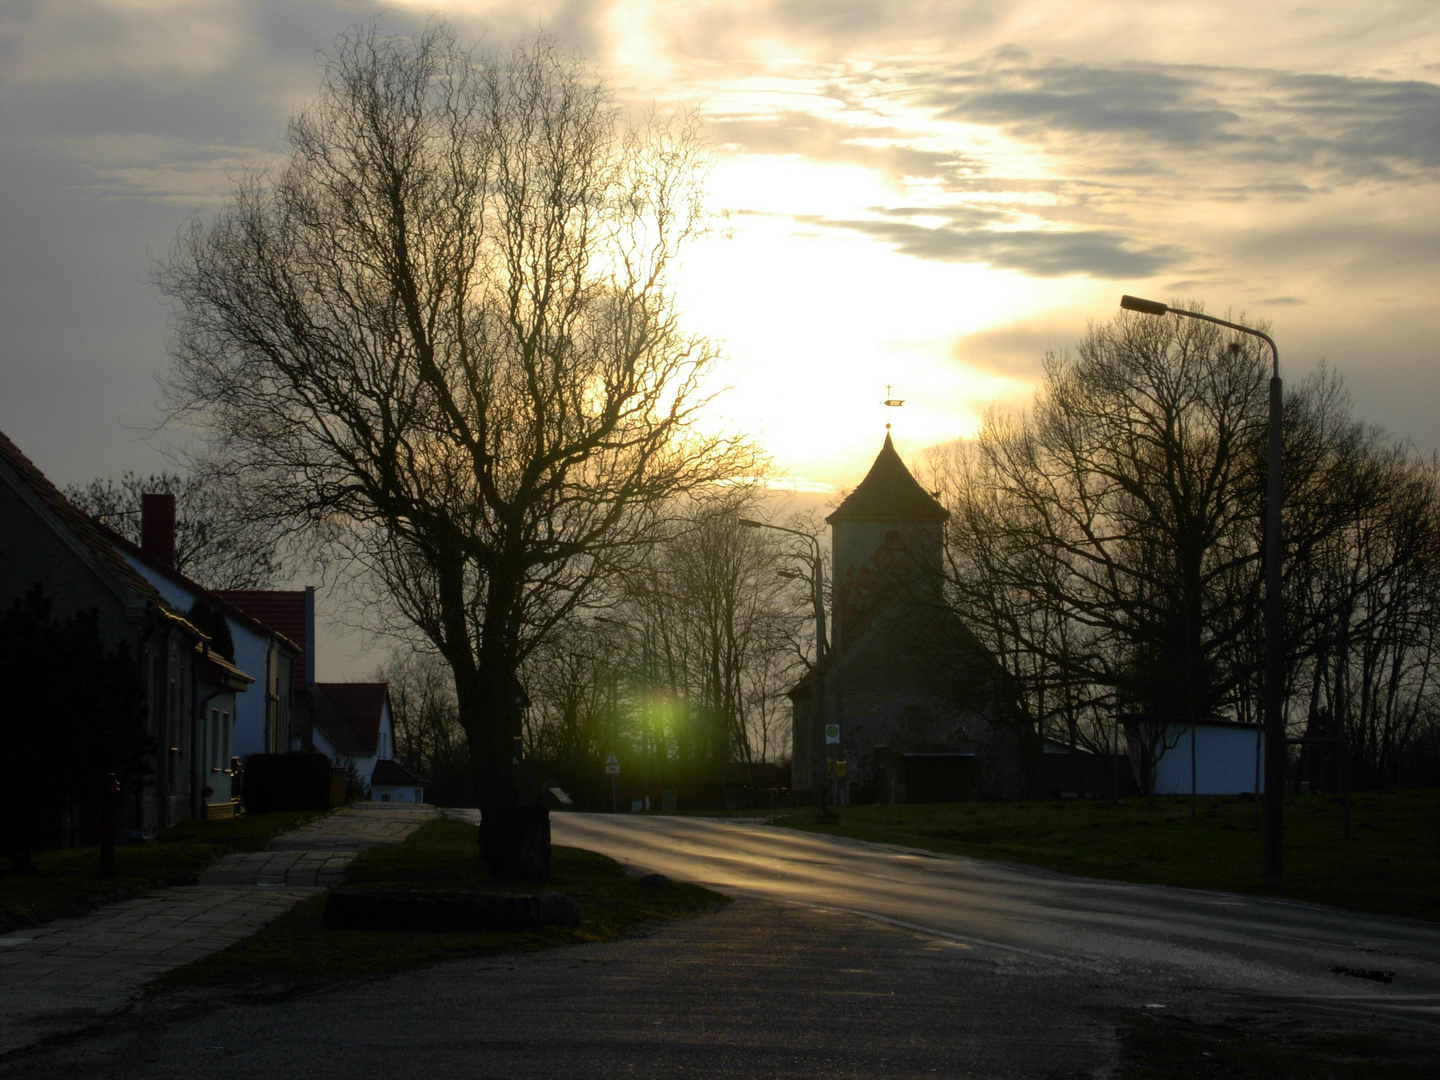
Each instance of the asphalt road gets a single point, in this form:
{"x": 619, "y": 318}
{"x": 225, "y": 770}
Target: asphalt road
{"x": 756, "y": 990}
{"x": 1162, "y": 939}
{"x": 837, "y": 959}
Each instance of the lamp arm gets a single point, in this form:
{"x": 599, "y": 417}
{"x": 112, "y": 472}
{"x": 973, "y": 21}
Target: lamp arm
{"x": 1274, "y": 351}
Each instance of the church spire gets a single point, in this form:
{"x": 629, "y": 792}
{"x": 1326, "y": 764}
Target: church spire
{"x": 889, "y": 493}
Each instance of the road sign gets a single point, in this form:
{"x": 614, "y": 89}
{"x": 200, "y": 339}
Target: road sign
{"x": 832, "y": 733}
{"x": 612, "y": 766}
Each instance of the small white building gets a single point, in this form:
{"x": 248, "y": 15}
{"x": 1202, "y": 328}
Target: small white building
{"x": 1219, "y": 757}
{"x": 394, "y": 781}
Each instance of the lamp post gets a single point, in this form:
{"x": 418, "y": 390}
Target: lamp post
{"x": 1274, "y": 609}
{"x": 817, "y": 597}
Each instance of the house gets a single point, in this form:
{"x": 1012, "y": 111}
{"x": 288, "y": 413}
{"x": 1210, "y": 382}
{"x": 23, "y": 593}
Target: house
{"x": 1207, "y": 757}
{"x": 918, "y": 707}
{"x": 45, "y": 540}
{"x": 258, "y": 721}
{"x": 352, "y": 726}
{"x": 350, "y": 723}
{"x": 290, "y": 615}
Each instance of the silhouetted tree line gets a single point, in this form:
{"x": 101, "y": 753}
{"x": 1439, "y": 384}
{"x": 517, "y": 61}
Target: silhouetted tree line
{"x": 1106, "y": 545}
{"x": 680, "y": 669}
{"x": 683, "y": 674}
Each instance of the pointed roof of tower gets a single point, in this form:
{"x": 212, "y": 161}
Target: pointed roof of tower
{"x": 889, "y": 493}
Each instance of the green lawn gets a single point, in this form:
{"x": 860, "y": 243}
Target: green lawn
{"x": 1389, "y": 865}
{"x": 296, "y": 950}
{"x": 1161, "y": 1047}
{"x": 68, "y": 882}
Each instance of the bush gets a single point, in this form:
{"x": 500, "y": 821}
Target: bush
{"x": 75, "y": 712}
{"x": 299, "y": 780}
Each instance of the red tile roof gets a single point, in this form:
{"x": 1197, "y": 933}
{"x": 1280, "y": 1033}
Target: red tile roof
{"x": 348, "y": 714}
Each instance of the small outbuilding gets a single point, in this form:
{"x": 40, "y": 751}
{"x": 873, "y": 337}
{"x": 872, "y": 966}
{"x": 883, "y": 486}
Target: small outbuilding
{"x": 394, "y": 781}
{"x": 1207, "y": 757}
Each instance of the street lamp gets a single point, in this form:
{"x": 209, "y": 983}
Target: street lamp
{"x": 817, "y": 596}
{"x": 1274, "y": 609}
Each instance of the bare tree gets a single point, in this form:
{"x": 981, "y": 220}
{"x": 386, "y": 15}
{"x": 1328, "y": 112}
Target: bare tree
{"x": 216, "y": 543}
{"x": 1107, "y": 544}
{"x": 693, "y": 658}
{"x": 441, "y": 338}
{"x": 428, "y": 734}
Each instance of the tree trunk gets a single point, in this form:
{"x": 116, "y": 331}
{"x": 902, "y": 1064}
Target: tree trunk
{"x": 515, "y": 842}
{"x": 514, "y": 821}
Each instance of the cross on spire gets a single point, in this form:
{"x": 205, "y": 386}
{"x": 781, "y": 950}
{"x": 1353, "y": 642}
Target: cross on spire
{"x": 890, "y": 402}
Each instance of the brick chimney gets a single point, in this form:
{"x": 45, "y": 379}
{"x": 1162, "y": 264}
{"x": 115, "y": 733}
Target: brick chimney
{"x": 157, "y": 527}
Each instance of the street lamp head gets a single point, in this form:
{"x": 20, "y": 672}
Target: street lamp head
{"x": 1145, "y": 307}
{"x": 749, "y": 524}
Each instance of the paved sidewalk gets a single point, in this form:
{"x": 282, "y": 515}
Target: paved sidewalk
{"x": 66, "y": 974}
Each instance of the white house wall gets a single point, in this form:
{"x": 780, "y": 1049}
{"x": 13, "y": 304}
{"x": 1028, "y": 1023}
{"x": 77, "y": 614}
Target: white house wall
{"x": 251, "y": 651}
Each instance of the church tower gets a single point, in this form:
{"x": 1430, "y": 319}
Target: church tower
{"x": 915, "y": 706}
{"x": 886, "y": 545}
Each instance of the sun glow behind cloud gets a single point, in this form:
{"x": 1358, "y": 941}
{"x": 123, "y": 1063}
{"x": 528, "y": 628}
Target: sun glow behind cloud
{"x": 921, "y": 194}
{"x": 819, "y": 308}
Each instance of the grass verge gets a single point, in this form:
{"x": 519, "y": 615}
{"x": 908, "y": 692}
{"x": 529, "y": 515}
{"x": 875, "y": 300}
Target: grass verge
{"x": 1389, "y": 866}
{"x": 1159, "y": 1047}
{"x": 68, "y": 882}
{"x": 295, "y": 950}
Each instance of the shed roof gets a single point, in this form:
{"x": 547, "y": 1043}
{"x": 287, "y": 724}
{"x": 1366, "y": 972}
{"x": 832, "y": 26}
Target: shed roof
{"x": 390, "y": 772}
{"x": 889, "y": 493}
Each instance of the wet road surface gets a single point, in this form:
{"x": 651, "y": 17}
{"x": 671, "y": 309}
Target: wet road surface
{"x": 1163, "y": 937}
{"x": 838, "y": 959}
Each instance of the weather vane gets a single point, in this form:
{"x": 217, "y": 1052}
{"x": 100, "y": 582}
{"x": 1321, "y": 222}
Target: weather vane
{"x": 890, "y": 402}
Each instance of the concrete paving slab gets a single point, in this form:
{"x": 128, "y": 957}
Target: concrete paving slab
{"x": 72, "y": 973}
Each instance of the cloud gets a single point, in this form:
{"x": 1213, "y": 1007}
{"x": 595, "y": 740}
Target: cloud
{"x": 818, "y": 138}
{"x": 48, "y": 42}
{"x": 1041, "y": 253}
{"x": 1364, "y": 120}
{"x": 1035, "y": 100}
{"x": 1017, "y": 350}
{"x": 1345, "y": 127}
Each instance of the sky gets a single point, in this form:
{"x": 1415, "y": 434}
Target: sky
{"x": 913, "y": 198}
